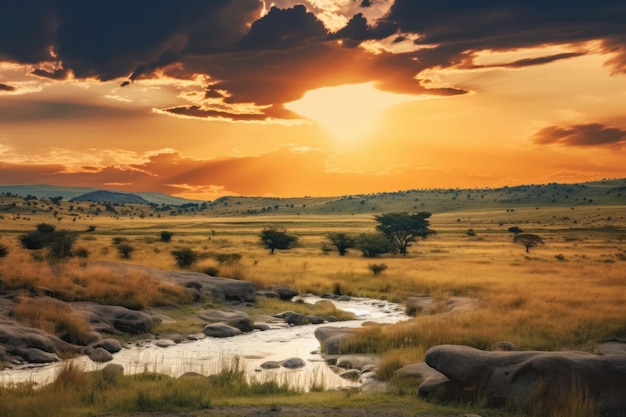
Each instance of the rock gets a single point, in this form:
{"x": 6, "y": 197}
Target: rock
{"x": 285, "y": 293}
{"x": 235, "y": 319}
{"x": 432, "y": 380}
{"x": 343, "y": 298}
{"x": 214, "y": 287}
{"x": 353, "y": 374}
{"x": 115, "y": 319}
{"x": 311, "y": 319}
{"x": 357, "y": 361}
{"x": 520, "y": 378}
{"x": 291, "y": 318}
{"x": 261, "y": 326}
{"x": 268, "y": 294}
{"x": 164, "y": 343}
{"x": 100, "y": 355}
{"x": 110, "y": 345}
{"x": 328, "y": 296}
{"x": 293, "y": 363}
{"x": 504, "y": 346}
{"x": 31, "y": 345}
{"x": 191, "y": 375}
{"x": 220, "y": 330}
{"x": 270, "y": 365}
{"x": 112, "y": 371}
{"x": 196, "y": 336}
{"x": 330, "y": 338}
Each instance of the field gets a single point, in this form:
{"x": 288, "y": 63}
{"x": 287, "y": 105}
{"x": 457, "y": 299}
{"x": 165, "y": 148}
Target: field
{"x": 569, "y": 293}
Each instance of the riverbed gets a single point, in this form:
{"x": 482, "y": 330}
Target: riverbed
{"x": 210, "y": 355}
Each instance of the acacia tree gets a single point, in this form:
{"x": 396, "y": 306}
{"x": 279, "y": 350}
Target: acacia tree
{"x": 403, "y": 229}
{"x": 528, "y": 240}
{"x": 342, "y": 241}
{"x": 58, "y": 243}
{"x": 276, "y": 237}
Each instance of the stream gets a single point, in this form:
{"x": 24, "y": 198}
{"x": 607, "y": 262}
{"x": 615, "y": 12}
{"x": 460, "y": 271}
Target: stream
{"x": 210, "y": 355}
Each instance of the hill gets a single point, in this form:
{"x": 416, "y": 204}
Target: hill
{"x": 48, "y": 191}
{"x": 102, "y": 196}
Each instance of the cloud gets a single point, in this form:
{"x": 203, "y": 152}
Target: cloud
{"x": 581, "y": 135}
{"x": 6, "y": 87}
{"x": 267, "y": 60}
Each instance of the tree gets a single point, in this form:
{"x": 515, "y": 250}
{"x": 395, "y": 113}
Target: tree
{"x": 185, "y": 257}
{"x": 374, "y": 244}
{"x": 166, "y": 236}
{"x": 125, "y": 250}
{"x": 528, "y": 240}
{"x": 342, "y": 241}
{"x": 58, "y": 242}
{"x": 403, "y": 229}
{"x": 276, "y": 237}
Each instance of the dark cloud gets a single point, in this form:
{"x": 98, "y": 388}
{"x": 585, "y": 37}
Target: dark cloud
{"x": 273, "y": 112}
{"x": 459, "y": 25}
{"x": 582, "y": 135}
{"x": 5, "y": 87}
{"x": 284, "y": 28}
{"x": 274, "y": 59}
{"x": 18, "y": 111}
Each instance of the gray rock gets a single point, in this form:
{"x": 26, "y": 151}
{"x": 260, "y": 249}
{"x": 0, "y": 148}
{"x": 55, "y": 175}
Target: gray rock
{"x": 504, "y": 346}
{"x": 100, "y": 355}
{"x": 112, "y": 371}
{"x": 261, "y": 326}
{"x": 343, "y": 298}
{"x": 330, "y": 338}
{"x": 268, "y": 294}
{"x": 26, "y": 344}
{"x": 164, "y": 343}
{"x": 220, "y": 330}
{"x": 115, "y": 319}
{"x": 285, "y": 293}
{"x": 432, "y": 380}
{"x": 270, "y": 365}
{"x": 110, "y": 345}
{"x": 293, "y": 363}
{"x": 291, "y": 318}
{"x": 311, "y": 319}
{"x": 235, "y": 319}
{"x": 357, "y": 361}
{"x": 520, "y": 378}
{"x": 353, "y": 374}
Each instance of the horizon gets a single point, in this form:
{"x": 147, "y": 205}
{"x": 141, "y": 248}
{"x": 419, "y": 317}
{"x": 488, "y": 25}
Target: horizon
{"x": 309, "y": 98}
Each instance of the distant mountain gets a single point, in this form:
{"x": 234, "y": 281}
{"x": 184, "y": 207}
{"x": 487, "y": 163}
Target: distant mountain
{"x": 48, "y": 191}
{"x": 102, "y": 196}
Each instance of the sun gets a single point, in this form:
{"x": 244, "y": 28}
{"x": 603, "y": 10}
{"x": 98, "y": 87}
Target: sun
{"x": 348, "y": 112}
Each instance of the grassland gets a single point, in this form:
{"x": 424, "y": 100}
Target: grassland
{"x": 567, "y": 294}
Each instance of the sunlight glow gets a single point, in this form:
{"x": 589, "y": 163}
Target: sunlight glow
{"x": 348, "y": 112}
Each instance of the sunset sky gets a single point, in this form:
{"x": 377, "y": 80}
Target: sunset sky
{"x": 206, "y": 98}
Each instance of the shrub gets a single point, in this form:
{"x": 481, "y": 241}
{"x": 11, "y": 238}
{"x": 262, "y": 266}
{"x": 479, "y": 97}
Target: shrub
{"x": 377, "y": 269}
{"x": 374, "y": 244}
{"x": 166, "y": 236}
{"x": 185, "y": 257}
{"x": 212, "y": 271}
{"x": 81, "y": 253}
{"x": 4, "y": 251}
{"x": 470, "y": 232}
{"x": 228, "y": 258}
{"x": 125, "y": 250}
{"x": 117, "y": 240}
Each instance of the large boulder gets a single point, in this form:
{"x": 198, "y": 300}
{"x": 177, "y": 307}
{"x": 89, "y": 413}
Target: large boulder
{"x": 330, "y": 338}
{"x": 432, "y": 380}
{"x": 522, "y": 378}
{"x": 25, "y": 344}
{"x": 213, "y": 287}
{"x": 236, "y": 319}
{"x": 116, "y": 319}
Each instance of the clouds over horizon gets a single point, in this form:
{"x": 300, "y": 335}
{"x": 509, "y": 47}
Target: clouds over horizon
{"x": 265, "y": 59}
{"x": 582, "y": 135}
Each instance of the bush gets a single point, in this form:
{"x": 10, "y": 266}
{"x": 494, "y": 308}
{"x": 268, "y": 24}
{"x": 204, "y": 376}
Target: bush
{"x": 212, "y": 271}
{"x": 228, "y": 258}
{"x": 185, "y": 257}
{"x": 377, "y": 269}
{"x": 166, "y": 236}
{"x": 81, "y": 253}
{"x": 125, "y": 250}
{"x": 4, "y": 251}
{"x": 374, "y": 244}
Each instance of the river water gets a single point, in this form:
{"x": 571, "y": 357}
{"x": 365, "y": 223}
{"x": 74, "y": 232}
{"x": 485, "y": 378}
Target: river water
{"x": 210, "y": 355}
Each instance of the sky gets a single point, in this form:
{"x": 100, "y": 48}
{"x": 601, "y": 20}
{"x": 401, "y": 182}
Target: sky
{"x": 210, "y": 98}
